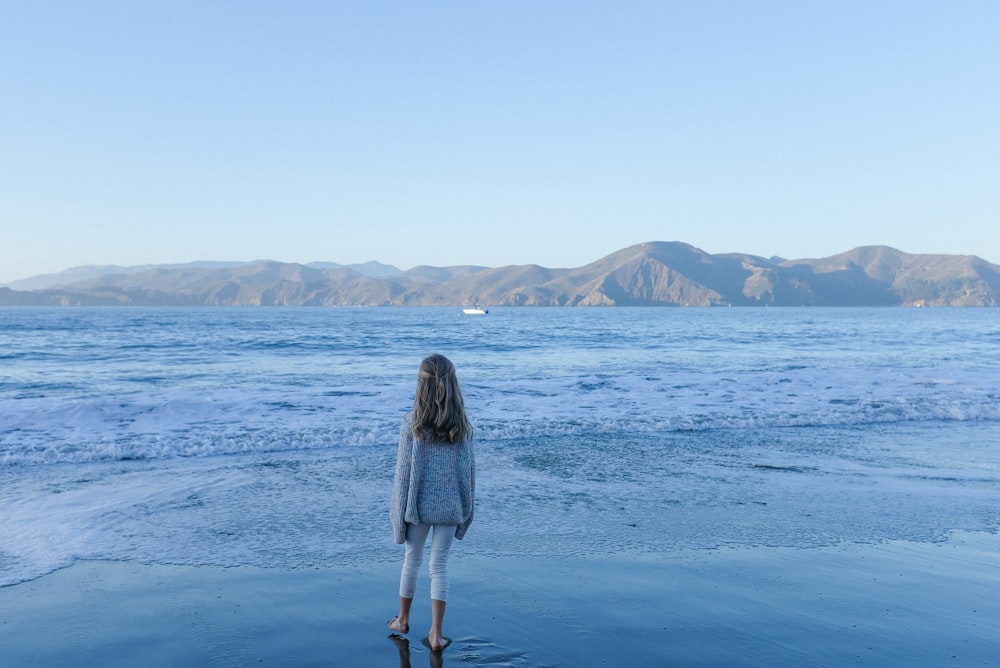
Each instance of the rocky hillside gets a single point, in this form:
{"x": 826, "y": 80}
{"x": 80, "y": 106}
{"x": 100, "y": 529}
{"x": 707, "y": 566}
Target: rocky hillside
{"x": 649, "y": 274}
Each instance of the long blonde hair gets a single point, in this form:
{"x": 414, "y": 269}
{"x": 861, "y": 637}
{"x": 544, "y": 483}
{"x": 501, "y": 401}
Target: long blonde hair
{"x": 438, "y": 408}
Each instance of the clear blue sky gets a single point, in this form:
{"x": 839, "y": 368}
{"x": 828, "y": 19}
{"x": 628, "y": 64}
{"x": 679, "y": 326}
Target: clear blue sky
{"x": 493, "y": 133}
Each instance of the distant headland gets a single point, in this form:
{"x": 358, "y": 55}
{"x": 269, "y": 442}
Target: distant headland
{"x": 647, "y": 274}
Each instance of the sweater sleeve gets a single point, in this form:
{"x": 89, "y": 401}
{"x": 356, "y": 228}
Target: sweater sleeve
{"x": 464, "y": 526}
{"x": 401, "y": 483}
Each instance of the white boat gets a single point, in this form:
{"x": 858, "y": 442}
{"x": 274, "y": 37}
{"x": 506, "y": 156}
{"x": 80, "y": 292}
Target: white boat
{"x": 475, "y": 310}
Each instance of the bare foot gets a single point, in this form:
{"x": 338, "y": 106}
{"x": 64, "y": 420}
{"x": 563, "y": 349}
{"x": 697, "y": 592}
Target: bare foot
{"x": 436, "y": 641}
{"x": 397, "y": 624}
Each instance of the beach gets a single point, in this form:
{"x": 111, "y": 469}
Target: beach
{"x": 715, "y": 487}
{"x": 893, "y": 603}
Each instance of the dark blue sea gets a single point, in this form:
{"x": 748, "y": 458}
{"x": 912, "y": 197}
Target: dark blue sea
{"x": 266, "y": 436}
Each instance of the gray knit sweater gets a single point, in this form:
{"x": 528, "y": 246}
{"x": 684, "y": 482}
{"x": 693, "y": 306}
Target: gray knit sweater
{"x": 435, "y": 483}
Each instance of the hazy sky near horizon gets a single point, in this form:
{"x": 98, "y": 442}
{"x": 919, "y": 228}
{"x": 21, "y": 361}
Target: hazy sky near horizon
{"x": 493, "y": 133}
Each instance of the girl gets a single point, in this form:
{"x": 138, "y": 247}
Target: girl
{"x": 434, "y": 488}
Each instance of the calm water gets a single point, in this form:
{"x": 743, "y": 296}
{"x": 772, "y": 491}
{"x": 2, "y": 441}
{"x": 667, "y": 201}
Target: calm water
{"x": 267, "y": 436}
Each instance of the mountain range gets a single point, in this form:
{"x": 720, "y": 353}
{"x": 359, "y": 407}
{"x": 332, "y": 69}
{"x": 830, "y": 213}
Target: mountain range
{"x": 648, "y": 274}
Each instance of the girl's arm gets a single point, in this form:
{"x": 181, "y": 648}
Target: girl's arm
{"x": 401, "y": 483}
{"x": 464, "y": 526}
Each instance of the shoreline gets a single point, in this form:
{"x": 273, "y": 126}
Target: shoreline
{"x": 896, "y": 602}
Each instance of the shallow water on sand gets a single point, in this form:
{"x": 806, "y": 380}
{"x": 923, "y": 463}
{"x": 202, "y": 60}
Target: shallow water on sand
{"x": 540, "y": 497}
{"x": 894, "y": 603}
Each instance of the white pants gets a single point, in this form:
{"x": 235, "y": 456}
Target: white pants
{"x": 416, "y": 537}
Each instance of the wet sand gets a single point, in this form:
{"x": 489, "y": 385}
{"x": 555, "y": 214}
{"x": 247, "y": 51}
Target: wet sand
{"x": 894, "y": 603}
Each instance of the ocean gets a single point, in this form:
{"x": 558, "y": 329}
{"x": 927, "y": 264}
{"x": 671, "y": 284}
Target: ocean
{"x": 266, "y": 436}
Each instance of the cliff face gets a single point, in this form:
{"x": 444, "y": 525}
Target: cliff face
{"x": 649, "y": 274}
